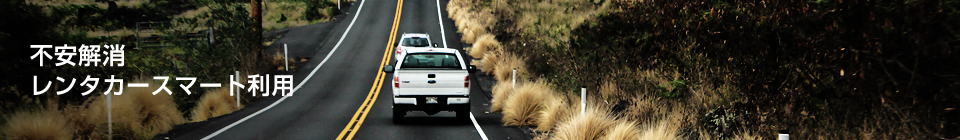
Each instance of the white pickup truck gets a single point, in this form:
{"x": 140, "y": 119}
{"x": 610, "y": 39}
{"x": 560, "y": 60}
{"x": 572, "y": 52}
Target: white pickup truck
{"x": 413, "y": 40}
{"x": 431, "y": 80}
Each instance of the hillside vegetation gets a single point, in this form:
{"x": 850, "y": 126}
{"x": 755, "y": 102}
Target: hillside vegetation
{"x": 724, "y": 69}
{"x": 137, "y": 113}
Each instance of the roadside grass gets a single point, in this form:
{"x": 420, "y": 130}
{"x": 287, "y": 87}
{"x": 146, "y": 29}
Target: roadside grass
{"x": 278, "y": 15}
{"x": 484, "y": 44}
{"x": 503, "y": 70}
{"x": 536, "y": 103}
{"x": 214, "y": 103}
{"x": 138, "y": 114}
{"x": 610, "y": 93}
{"x": 277, "y": 59}
{"x": 644, "y": 109}
{"x": 750, "y": 136}
{"x": 470, "y": 25}
{"x": 548, "y": 23}
{"x": 523, "y": 107}
{"x": 591, "y": 125}
{"x": 623, "y": 130}
{"x": 555, "y": 111}
{"x": 501, "y": 66}
{"x": 662, "y": 130}
{"x": 104, "y": 33}
{"x": 42, "y": 124}
{"x": 488, "y": 63}
{"x": 89, "y": 119}
{"x": 500, "y": 93}
{"x": 93, "y": 17}
{"x": 102, "y": 5}
{"x": 194, "y": 12}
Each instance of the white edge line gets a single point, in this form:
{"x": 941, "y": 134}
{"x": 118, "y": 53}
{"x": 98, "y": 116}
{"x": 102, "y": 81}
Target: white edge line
{"x": 482, "y": 135}
{"x": 214, "y": 134}
{"x": 440, "y": 20}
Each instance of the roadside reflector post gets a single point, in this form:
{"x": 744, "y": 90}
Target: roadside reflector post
{"x": 514, "y": 77}
{"x": 784, "y": 135}
{"x": 583, "y": 100}
{"x": 109, "y": 118}
{"x": 285, "y": 61}
{"x": 210, "y": 35}
{"x": 238, "y": 88}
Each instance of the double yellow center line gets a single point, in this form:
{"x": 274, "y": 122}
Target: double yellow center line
{"x": 354, "y": 125}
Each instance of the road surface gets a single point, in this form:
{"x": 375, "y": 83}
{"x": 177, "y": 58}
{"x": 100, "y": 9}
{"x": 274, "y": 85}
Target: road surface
{"x": 340, "y": 91}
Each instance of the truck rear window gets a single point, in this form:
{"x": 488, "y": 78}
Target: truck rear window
{"x": 430, "y": 60}
{"x": 416, "y": 42}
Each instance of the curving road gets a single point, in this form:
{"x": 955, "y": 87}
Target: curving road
{"x": 340, "y": 92}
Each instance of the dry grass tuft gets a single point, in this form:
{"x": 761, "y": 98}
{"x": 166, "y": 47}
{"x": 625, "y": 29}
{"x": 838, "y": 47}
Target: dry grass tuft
{"x": 462, "y": 21}
{"x": 102, "y": 5}
{"x": 522, "y": 107}
{"x": 623, "y": 130}
{"x": 89, "y": 119}
{"x": 663, "y": 130}
{"x": 610, "y": 93}
{"x": 278, "y": 60}
{"x": 139, "y": 114}
{"x": 47, "y": 124}
{"x": 469, "y": 35}
{"x": 643, "y": 109}
{"x": 477, "y": 62}
{"x": 120, "y": 32}
{"x": 750, "y": 136}
{"x": 503, "y": 71}
{"x": 474, "y": 30}
{"x": 501, "y": 92}
{"x": 214, "y": 103}
{"x": 454, "y": 7}
{"x": 484, "y": 43}
{"x": 591, "y": 125}
{"x": 272, "y": 11}
{"x": 554, "y": 111}
{"x": 194, "y": 13}
{"x": 490, "y": 60}
{"x": 472, "y": 23}
{"x": 292, "y": 11}
{"x": 501, "y": 64}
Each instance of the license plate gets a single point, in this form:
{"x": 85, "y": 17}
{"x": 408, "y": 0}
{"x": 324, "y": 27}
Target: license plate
{"x": 431, "y": 100}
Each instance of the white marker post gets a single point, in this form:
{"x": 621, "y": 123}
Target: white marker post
{"x": 583, "y": 100}
{"x": 285, "y": 65}
{"x": 514, "y": 77}
{"x": 784, "y": 135}
{"x": 238, "y": 88}
{"x": 109, "y": 118}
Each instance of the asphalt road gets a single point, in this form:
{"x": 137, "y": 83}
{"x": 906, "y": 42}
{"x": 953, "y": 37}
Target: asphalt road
{"x": 339, "y": 99}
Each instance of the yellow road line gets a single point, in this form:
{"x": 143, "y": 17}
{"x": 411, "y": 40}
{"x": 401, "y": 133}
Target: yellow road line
{"x": 354, "y": 125}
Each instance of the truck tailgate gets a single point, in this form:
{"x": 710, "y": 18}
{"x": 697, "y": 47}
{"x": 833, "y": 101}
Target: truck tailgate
{"x": 432, "y": 82}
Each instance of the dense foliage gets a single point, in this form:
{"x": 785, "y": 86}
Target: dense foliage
{"x": 30, "y": 24}
{"x": 837, "y": 69}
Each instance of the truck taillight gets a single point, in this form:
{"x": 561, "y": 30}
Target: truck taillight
{"x": 396, "y": 82}
{"x": 466, "y": 81}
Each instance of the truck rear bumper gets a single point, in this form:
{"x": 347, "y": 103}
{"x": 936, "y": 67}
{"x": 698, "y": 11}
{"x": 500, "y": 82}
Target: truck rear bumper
{"x": 420, "y": 103}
